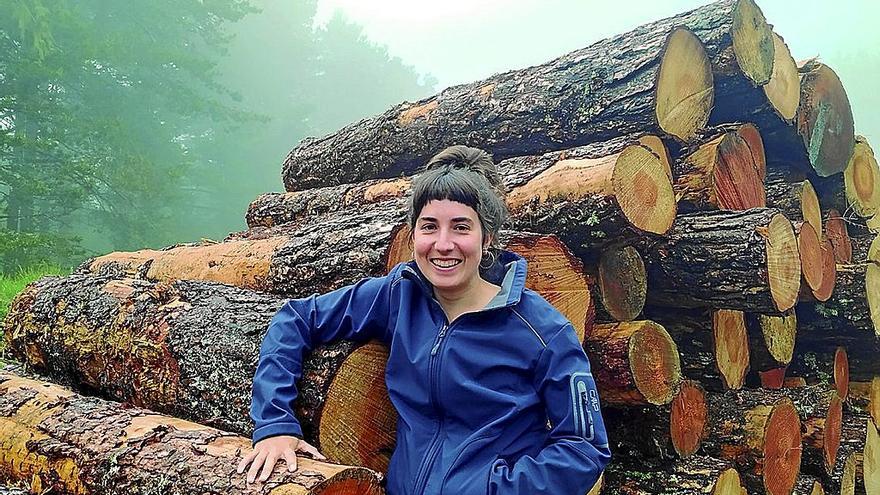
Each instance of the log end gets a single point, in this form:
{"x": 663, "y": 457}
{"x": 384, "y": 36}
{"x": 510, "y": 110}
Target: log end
{"x": 772, "y": 379}
{"x": 810, "y": 209}
{"x": 861, "y": 179}
{"x": 737, "y": 180}
{"x": 831, "y": 433}
{"x": 728, "y": 483}
{"x": 782, "y": 449}
{"x": 655, "y": 363}
{"x": 622, "y": 283}
{"x": 351, "y": 481}
{"x": 752, "y": 136}
{"x": 557, "y": 275}
{"x": 810, "y": 253}
{"x": 358, "y": 423}
{"x": 784, "y": 89}
{"x": 779, "y": 335}
{"x": 685, "y": 91}
{"x": 841, "y": 373}
{"x": 688, "y": 418}
{"x": 835, "y": 231}
{"x": 829, "y": 273}
{"x": 731, "y": 346}
{"x": 871, "y": 460}
{"x": 752, "y": 42}
{"x": 825, "y": 119}
{"x": 643, "y": 189}
{"x": 874, "y": 400}
{"x": 783, "y": 263}
{"x": 401, "y": 248}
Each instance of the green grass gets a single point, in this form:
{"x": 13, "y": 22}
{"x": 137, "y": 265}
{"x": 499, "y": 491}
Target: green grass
{"x": 10, "y": 285}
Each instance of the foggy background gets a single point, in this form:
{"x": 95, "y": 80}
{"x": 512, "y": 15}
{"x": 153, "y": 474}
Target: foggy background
{"x": 144, "y": 124}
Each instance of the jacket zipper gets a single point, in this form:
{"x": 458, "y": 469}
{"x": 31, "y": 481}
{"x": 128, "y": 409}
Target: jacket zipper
{"x": 434, "y": 373}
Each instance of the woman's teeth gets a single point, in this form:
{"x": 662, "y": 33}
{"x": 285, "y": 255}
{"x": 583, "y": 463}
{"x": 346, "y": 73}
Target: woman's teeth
{"x": 445, "y": 263}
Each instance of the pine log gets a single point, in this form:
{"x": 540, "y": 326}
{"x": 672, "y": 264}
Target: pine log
{"x": 841, "y": 372}
{"x": 810, "y": 251}
{"x": 823, "y": 133}
{"x": 865, "y": 398}
{"x": 808, "y": 485}
{"x": 663, "y": 91}
{"x": 761, "y": 432}
{"x": 622, "y": 284}
{"x": 797, "y": 200}
{"x": 70, "y": 444}
{"x": 836, "y": 232}
{"x": 713, "y": 344}
{"x": 634, "y": 363}
{"x": 697, "y": 475}
{"x": 190, "y": 349}
{"x": 821, "y": 410}
{"x": 871, "y": 460}
{"x": 744, "y": 260}
{"x": 862, "y": 179}
{"x": 768, "y": 105}
{"x": 771, "y": 347}
{"x": 725, "y": 171}
{"x": 663, "y": 87}
{"x": 828, "y": 277}
{"x": 853, "y": 311}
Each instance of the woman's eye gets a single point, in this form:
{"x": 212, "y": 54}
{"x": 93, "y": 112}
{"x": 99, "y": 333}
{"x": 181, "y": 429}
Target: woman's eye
{"x": 428, "y": 226}
{"x": 462, "y": 226}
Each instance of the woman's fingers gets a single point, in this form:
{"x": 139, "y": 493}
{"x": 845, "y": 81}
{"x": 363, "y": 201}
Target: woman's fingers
{"x": 308, "y": 449}
{"x": 268, "y": 466}
{"x": 255, "y": 466}
{"x": 245, "y": 461}
{"x": 290, "y": 456}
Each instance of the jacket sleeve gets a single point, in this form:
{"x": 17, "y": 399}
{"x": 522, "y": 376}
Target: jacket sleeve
{"x": 356, "y": 312}
{"x": 577, "y": 449}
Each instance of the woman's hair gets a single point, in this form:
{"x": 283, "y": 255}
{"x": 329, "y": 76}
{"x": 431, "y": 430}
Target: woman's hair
{"x": 465, "y": 175}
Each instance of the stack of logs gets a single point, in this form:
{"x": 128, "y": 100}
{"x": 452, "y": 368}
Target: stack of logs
{"x": 694, "y": 201}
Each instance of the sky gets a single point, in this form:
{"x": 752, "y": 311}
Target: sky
{"x": 461, "y": 41}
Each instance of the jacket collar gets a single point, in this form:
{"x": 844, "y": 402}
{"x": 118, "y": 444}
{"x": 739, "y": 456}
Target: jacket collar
{"x": 508, "y": 271}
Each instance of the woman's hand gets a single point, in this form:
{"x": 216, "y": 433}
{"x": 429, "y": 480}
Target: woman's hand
{"x": 268, "y": 451}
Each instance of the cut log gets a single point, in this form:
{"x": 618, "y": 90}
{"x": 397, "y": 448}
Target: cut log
{"x": 689, "y": 418}
{"x": 666, "y": 86}
{"x": 808, "y": 485}
{"x": 841, "y": 373}
{"x": 864, "y": 397}
{"x": 61, "y": 442}
{"x": 771, "y": 347}
{"x": 862, "y": 179}
{"x": 829, "y": 276}
{"x": 835, "y": 231}
{"x": 769, "y": 105}
{"x": 622, "y": 284}
{"x": 823, "y": 134}
{"x": 733, "y": 260}
{"x": 822, "y": 419}
{"x": 592, "y": 196}
{"x": 692, "y": 476}
{"x": 811, "y": 255}
{"x": 871, "y": 460}
{"x": 272, "y": 209}
{"x": 761, "y": 432}
{"x": 852, "y": 311}
{"x": 190, "y": 349}
{"x": 797, "y": 200}
{"x": 721, "y": 172}
{"x": 635, "y": 363}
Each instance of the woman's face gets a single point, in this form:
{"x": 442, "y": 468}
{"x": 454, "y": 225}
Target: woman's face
{"x": 448, "y": 245}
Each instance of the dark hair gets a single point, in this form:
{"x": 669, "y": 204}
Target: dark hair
{"x": 465, "y": 175}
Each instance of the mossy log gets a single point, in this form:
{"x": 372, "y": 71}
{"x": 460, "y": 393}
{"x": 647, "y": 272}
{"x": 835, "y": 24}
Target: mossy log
{"x": 61, "y": 442}
{"x": 743, "y": 260}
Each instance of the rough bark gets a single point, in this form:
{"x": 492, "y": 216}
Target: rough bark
{"x": 733, "y": 260}
{"x": 847, "y": 314}
{"x": 836, "y": 232}
{"x": 698, "y": 475}
{"x": 67, "y": 443}
{"x": 771, "y": 347}
{"x": 190, "y": 349}
{"x": 797, "y": 200}
{"x": 593, "y": 94}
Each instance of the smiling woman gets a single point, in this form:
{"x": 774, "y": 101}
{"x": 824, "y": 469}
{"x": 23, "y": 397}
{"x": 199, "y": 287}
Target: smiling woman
{"x": 462, "y": 329}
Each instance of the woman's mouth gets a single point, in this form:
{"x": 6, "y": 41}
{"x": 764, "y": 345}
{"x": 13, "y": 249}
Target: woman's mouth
{"x": 445, "y": 264}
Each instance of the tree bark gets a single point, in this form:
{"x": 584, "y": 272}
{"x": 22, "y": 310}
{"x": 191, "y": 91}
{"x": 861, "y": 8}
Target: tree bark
{"x": 567, "y": 102}
{"x": 66, "y": 443}
{"x": 697, "y": 475}
{"x": 734, "y": 260}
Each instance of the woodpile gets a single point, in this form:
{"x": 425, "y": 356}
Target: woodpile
{"x": 699, "y": 207}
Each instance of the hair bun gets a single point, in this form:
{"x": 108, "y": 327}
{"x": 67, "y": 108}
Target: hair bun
{"x": 467, "y": 158}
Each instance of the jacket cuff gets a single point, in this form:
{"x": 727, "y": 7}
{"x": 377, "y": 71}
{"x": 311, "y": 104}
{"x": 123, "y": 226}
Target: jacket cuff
{"x": 277, "y": 429}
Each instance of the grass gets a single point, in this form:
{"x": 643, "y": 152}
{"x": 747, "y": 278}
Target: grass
{"x": 11, "y": 285}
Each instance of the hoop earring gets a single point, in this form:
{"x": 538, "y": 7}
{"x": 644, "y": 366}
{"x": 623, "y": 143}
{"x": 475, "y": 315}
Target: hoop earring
{"x": 488, "y": 259}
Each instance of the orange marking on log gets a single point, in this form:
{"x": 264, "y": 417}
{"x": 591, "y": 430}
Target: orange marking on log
{"x": 408, "y": 116}
{"x": 385, "y": 190}
{"x": 486, "y": 90}
{"x": 570, "y": 179}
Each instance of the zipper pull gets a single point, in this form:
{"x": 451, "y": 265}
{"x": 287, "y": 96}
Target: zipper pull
{"x": 439, "y": 339}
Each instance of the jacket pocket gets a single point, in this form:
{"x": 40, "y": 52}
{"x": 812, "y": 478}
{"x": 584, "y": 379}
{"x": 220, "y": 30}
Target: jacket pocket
{"x": 458, "y": 459}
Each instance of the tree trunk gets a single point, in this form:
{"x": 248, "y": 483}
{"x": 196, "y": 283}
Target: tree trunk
{"x": 66, "y": 443}
{"x": 797, "y": 200}
{"x": 621, "y": 284}
{"x": 634, "y": 363}
{"x": 161, "y": 345}
{"x": 734, "y": 260}
{"x": 697, "y": 475}
{"x": 861, "y": 179}
{"x": 606, "y": 90}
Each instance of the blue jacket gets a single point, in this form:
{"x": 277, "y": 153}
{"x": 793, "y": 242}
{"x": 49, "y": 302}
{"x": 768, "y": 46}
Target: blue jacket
{"x": 500, "y": 401}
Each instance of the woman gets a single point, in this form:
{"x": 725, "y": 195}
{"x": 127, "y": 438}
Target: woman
{"x": 493, "y": 390}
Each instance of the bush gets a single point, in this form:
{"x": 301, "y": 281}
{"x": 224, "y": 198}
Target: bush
{"x": 31, "y": 251}
{"x": 11, "y": 285}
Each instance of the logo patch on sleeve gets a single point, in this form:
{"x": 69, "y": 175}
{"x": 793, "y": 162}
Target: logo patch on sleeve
{"x": 585, "y": 401}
